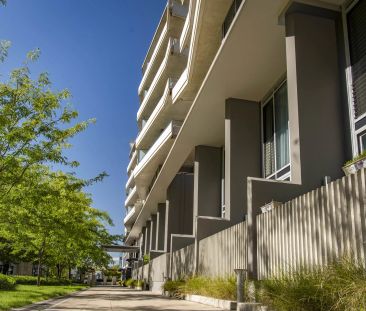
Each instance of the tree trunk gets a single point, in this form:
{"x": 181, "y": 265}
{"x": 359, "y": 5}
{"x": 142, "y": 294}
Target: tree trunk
{"x": 69, "y": 272}
{"x": 39, "y": 268}
{"x": 40, "y": 256}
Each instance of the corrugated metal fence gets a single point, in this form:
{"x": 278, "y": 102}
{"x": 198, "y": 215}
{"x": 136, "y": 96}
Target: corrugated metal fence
{"x": 315, "y": 228}
{"x": 224, "y": 251}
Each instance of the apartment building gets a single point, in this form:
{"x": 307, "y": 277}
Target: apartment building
{"x": 242, "y": 103}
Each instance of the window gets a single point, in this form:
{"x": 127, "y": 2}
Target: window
{"x": 223, "y": 184}
{"x": 362, "y": 138}
{"x": 356, "y": 25}
{"x": 275, "y": 133}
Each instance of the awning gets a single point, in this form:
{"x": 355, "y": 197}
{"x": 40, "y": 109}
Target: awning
{"x": 121, "y": 248}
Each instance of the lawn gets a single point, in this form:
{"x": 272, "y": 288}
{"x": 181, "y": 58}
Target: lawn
{"x": 27, "y": 294}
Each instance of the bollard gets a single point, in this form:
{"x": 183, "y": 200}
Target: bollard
{"x": 240, "y": 284}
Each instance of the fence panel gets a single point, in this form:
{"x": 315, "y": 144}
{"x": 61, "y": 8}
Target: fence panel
{"x": 315, "y": 228}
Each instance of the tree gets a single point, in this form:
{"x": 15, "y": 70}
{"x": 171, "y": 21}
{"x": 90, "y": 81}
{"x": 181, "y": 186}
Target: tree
{"x": 49, "y": 217}
{"x": 34, "y": 123}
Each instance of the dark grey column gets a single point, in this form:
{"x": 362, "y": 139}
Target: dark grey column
{"x": 147, "y": 237}
{"x": 242, "y": 154}
{"x": 207, "y": 181}
{"x": 153, "y": 231}
{"x": 161, "y": 239}
{"x": 315, "y": 101}
{"x": 180, "y": 206}
{"x": 143, "y": 239}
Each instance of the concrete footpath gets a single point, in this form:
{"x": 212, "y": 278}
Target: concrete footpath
{"x": 116, "y": 298}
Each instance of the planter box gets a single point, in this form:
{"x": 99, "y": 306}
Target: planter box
{"x": 355, "y": 166}
{"x": 218, "y": 303}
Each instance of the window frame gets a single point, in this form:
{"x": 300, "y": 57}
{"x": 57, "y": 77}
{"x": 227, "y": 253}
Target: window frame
{"x": 270, "y": 97}
{"x": 355, "y": 133}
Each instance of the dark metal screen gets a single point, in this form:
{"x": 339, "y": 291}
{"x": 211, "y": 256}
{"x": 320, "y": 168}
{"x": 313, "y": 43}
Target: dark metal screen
{"x": 356, "y": 22}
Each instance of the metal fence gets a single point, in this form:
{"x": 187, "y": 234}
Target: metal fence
{"x": 223, "y": 252}
{"x": 315, "y": 228}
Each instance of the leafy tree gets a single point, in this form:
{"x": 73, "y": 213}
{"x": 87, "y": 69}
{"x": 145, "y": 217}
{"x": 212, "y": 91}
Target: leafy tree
{"x": 49, "y": 217}
{"x": 34, "y": 123}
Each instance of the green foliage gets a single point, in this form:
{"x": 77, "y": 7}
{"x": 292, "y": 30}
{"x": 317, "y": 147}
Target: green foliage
{"x": 340, "y": 286}
{"x": 7, "y": 282}
{"x": 357, "y": 158}
{"x": 129, "y": 282}
{"x": 174, "y": 288}
{"x": 220, "y": 288}
{"x": 32, "y": 280}
{"x": 46, "y": 217}
{"x": 146, "y": 258}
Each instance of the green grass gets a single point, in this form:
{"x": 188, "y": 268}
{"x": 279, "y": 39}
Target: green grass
{"x": 27, "y": 294}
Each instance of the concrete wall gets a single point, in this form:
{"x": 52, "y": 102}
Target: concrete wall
{"x": 158, "y": 271}
{"x": 207, "y": 181}
{"x": 315, "y": 228}
{"x": 242, "y": 154}
{"x": 180, "y": 206}
{"x": 183, "y": 262}
{"x": 314, "y": 88}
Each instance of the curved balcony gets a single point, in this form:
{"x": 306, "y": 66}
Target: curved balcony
{"x": 131, "y": 197}
{"x": 155, "y": 59}
{"x": 130, "y": 181}
{"x": 147, "y": 167}
{"x": 132, "y": 213}
{"x": 133, "y": 162}
{"x": 171, "y": 67}
{"x": 155, "y": 121}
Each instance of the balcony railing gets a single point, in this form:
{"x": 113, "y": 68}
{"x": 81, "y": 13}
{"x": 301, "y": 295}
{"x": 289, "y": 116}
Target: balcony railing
{"x": 171, "y": 131}
{"x": 148, "y": 125}
{"x": 230, "y": 17}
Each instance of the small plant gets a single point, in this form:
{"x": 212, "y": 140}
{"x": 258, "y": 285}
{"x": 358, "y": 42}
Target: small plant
{"x": 357, "y": 158}
{"x": 174, "y": 288}
{"x": 139, "y": 283}
{"x": 129, "y": 282}
{"x": 146, "y": 259}
{"x": 339, "y": 286}
{"x": 7, "y": 282}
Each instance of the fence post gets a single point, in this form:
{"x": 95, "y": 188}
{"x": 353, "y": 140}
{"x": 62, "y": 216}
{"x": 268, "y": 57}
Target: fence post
{"x": 240, "y": 284}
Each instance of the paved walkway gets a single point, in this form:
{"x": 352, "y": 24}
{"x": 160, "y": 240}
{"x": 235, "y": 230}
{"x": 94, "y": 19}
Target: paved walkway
{"x": 116, "y": 298}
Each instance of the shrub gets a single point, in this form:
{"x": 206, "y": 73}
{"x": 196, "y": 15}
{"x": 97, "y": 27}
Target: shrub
{"x": 174, "y": 288}
{"x": 129, "y": 282}
{"x": 32, "y": 280}
{"x": 7, "y": 282}
{"x": 338, "y": 287}
{"x": 220, "y": 288}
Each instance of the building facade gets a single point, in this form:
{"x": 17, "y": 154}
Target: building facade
{"x": 242, "y": 103}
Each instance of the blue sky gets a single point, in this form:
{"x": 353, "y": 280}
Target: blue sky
{"x": 95, "y": 49}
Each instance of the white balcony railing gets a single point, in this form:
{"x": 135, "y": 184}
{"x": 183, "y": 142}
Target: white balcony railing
{"x": 153, "y": 91}
{"x": 130, "y": 181}
{"x": 170, "y": 132}
{"x": 151, "y": 63}
{"x": 149, "y": 125}
{"x": 133, "y": 162}
{"x": 131, "y": 197}
{"x": 179, "y": 86}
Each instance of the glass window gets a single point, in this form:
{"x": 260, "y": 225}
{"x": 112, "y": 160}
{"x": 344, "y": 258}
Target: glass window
{"x": 276, "y": 151}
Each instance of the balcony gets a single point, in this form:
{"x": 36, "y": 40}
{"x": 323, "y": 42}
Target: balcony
{"x": 153, "y": 125}
{"x": 145, "y": 170}
{"x": 156, "y": 58}
{"x": 171, "y": 21}
{"x": 131, "y": 197}
{"x": 133, "y": 162}
{"x": 171, "y": 67}
{"x": 130, "y": 182}
{"x": 186, "y": 31}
